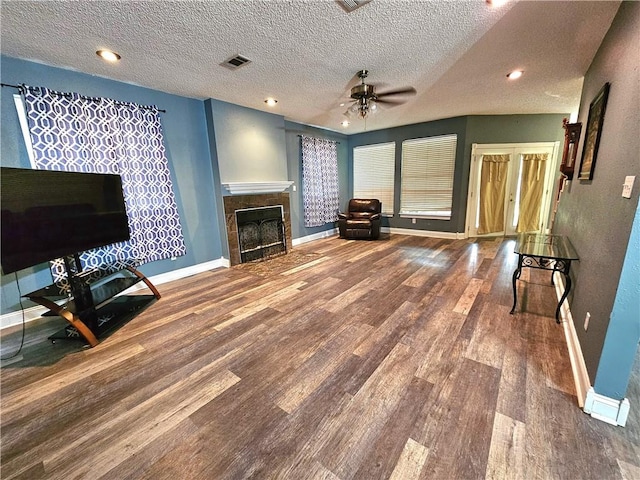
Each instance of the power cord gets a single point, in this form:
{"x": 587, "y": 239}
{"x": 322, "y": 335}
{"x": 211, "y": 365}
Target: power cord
{"x": 23, "y": 323}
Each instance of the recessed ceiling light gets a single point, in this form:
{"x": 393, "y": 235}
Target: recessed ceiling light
{"x": 515, "y": 74}
{"x": 108, "y": 55}
{"x": 345, "y": 123}
{"x": 271, "y": 101}
{"x": 496, "y": 3}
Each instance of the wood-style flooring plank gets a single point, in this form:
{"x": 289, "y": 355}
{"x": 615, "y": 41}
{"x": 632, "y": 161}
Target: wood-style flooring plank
{"x": 459, "y": 426}
{"x": 506, "y": 456}
{"x": 362, "y": 421}
{"x": 411, "y": 461}
{"x": 390, "y": 457}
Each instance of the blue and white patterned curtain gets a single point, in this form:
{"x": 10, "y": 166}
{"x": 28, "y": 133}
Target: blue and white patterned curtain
{"x": 319, "y": 181}
{"x": 99, "y": 135}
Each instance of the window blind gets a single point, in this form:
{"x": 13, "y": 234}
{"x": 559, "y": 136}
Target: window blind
{"x": 427, "y": 176}
{"x": 373, "y": 173}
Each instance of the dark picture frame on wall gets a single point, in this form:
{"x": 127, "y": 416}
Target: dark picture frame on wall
{"x": 593, "y": 133}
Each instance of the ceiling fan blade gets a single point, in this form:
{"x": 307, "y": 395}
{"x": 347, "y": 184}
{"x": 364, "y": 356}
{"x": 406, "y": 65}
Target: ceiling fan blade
{"x": 390, "y": 102}
{"x": 399, "y": 91}
{"x": 355, "y": 80}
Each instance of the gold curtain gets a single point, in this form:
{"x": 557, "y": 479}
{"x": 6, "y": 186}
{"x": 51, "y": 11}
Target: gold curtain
{"x": 533, "y": 171}
{"x": 493, "y": 182}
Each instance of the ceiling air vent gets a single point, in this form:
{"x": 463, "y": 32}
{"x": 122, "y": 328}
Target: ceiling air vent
{"x": 351, "y": 5}
{"x": 235, "y": 62}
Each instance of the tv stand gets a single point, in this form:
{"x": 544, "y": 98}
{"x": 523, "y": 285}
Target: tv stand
{"x": 91, "y": 303}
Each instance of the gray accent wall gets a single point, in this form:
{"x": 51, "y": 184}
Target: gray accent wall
{"x": 470, "y": 130}
{"x": 447, "y": 126}
{"x": 483, "y": 129}
{"x": 599, "y": 220}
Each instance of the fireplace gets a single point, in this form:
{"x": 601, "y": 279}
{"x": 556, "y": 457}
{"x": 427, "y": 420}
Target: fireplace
{"x": 258, "y": 226}
{"x": 260, "y": 233}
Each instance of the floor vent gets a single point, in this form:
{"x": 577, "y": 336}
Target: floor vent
{"x": 351, "y": 5}
{"x": 235, "y": 62}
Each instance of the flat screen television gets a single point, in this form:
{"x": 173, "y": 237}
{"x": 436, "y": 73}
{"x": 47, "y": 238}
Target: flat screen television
{"x": 50, "y": 214}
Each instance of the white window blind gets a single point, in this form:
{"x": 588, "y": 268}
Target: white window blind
{"x": 427, "y": 176}
{"x": 373, "y": 173}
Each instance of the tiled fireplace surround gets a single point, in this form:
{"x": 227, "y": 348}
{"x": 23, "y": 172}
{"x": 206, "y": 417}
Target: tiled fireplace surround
{"x": 238, "y": 202}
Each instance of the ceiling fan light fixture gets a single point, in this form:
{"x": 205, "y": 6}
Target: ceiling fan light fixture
{"x": 353, "y": 110}
{"x": 365, "y": 98}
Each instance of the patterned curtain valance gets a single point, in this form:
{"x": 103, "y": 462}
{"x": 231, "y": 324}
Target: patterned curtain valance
{"x": 42, "y": 91}
{"x": 69, "y": 131}
{"x": 319, "y": 181}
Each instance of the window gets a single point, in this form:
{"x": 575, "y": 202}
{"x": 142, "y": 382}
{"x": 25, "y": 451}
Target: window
{"x": 427, "y": 177}
{"x": 373, "y": 173}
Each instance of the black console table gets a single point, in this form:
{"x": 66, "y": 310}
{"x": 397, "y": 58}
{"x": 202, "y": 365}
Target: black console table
{"x": 546, "y": 252}
{"x": 90, "y": 303}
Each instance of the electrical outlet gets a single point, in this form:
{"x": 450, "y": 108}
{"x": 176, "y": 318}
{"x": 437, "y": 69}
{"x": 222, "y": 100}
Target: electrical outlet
{"x": 586, "y": 321}
{"x": 628, "y": 186}
{"x": 413, "y": 220}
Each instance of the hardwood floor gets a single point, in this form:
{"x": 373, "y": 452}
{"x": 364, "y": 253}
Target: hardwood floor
{"x": 389, "y": 359}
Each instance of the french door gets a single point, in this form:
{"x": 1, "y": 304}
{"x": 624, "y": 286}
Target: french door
{"x": 510, "y": 187}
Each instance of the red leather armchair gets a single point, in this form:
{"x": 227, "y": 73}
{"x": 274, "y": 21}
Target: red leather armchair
{"x": 362, "y": 220}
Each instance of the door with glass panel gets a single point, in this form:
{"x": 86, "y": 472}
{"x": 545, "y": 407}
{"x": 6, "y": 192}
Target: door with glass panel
{"x": 510, "y": 188}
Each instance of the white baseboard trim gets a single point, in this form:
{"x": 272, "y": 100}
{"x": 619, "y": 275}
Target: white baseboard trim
{"x": 315, "y": 236}
{"x": 15, "y": 318}
{"x": 181, "y": 273}
{"x": 423, "y": 233}
{"x": 578, "y": 367}
{"x": 609, "y": 410}
{"x": 614, "y": 412}
{"x": 398, "y": 231}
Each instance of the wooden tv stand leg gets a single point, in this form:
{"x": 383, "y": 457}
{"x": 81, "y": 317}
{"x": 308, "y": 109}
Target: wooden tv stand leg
{"x": 69, "y": 317}
{"x": 150, "y": 285}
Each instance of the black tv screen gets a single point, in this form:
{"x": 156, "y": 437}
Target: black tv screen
{"x": 49, "y": 214}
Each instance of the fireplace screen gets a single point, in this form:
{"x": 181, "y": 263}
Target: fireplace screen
{"x": 260, "y": 233}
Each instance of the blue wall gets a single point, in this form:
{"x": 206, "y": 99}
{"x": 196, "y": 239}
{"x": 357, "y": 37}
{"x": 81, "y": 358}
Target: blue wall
{"x": 202, "y": 139}
{"x": 250, "y": 144}
{"x": 623, "y": 334}
{"x": 187, "y": 147}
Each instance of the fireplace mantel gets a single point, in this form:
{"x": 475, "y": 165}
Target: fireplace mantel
{"x": 246, "y": 188}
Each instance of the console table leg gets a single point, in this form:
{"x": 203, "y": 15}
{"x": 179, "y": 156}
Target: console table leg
{"x": 516, "y": 276}
{"x": 567, "y": 287}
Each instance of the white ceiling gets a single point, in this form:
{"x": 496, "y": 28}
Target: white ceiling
{"x": 305, "y": 53}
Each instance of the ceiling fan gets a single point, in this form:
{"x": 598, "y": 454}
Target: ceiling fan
{"x": 366, "y": 100}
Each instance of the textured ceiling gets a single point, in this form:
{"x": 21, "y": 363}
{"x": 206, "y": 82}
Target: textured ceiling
{"x": 305, "y": 53}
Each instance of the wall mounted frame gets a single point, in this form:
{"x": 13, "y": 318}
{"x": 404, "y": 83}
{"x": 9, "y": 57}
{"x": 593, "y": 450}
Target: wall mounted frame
{"x": 593, "y": 133}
